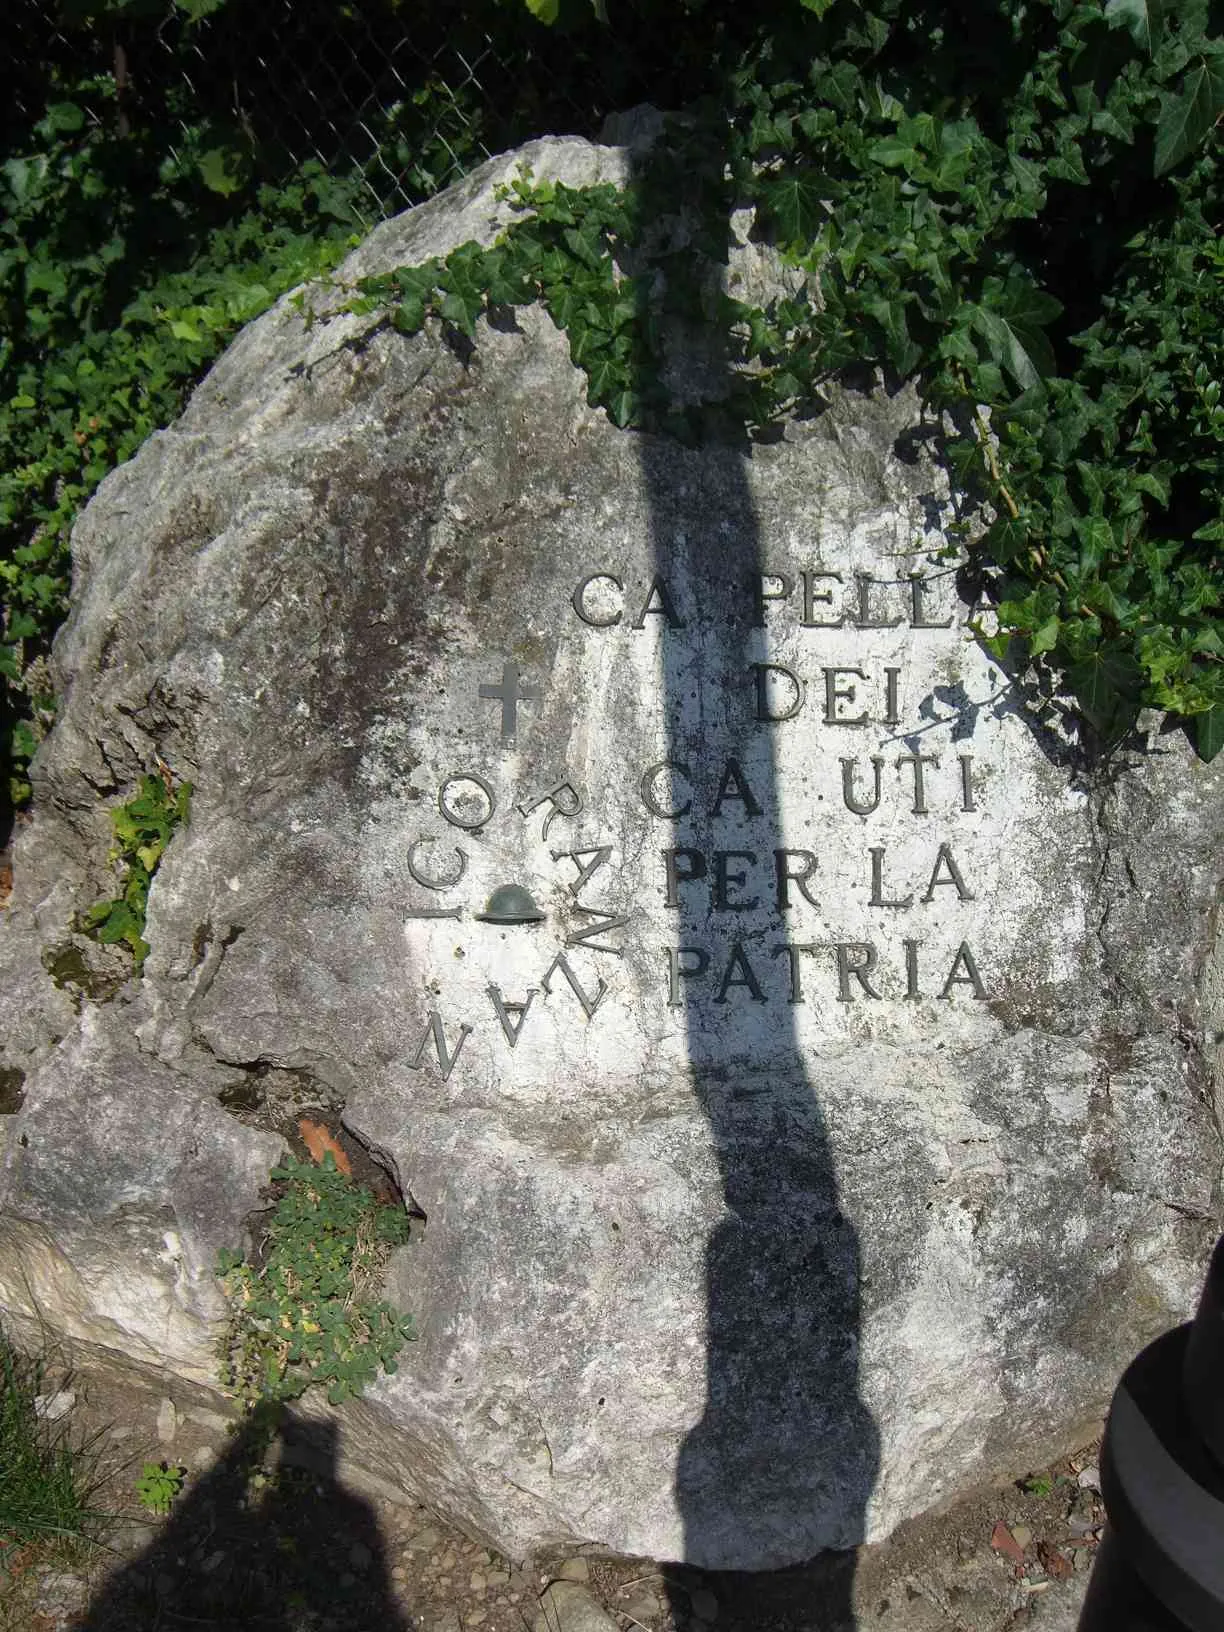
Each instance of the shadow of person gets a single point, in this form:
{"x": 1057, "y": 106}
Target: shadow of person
{"x": 284, "y": 1551}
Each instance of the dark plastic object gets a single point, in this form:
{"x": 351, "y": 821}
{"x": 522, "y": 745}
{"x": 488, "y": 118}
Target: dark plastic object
{"x": 1160, "y": 1567}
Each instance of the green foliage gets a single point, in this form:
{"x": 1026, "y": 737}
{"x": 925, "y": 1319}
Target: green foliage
{"x": 159, "y": 1484}
{"x": 1019, "y": 203}
{"x": 990, "y": 232}
{"x": 143, "y": 827}
{"x": 48, "y": 1481}
{"x": 301, "y": 1314}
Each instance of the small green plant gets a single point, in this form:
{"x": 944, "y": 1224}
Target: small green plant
{"x": 1038, "y": 1484}
{"x": 301, "y": 1315}
{"x": 159, "y": 1484}
{"x": 143, "y": 828}
{"x": 49, "y": 1480}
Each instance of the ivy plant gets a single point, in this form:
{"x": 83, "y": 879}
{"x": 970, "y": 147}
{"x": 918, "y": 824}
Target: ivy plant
{"x": 301, "y": 1314}
{"x": 143, "y": 827}
{"x": 1041, "y": 251}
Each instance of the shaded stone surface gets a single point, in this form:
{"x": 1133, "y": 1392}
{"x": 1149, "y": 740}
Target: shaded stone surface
{"x": 843, "y": 1123}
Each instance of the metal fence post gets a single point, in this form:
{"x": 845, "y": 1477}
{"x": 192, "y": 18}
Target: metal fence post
{"x": 1161, "y": 1565}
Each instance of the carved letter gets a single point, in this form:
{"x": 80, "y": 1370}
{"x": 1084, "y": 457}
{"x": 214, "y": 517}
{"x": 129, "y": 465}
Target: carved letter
{"x": 454, "y": 813}
{"x": 586, "y": 870}
{"x": 606, "y": 922}
{"x": 918, "y": 761}
{"x": 760, "y": 594}
{"x": 565, "y": 800}
{"x": 787, "y": 875}
{"x": 665, "y": 609}
{"x": 825, "y": 597}
{"x": 589, "y": 1004}
{"x": 892, "y": 707}
{"x": 676, "y": 971}
{"x": 969, "y": 978}
{"x": 434, "y": 1032}
{"x": 580, "y": 605}
{"x": 857, "y": 958}
{"x": 877, "y": 883}
{"x": 511, "y": 1015}
{"x": 724, "y": 879}
{"x": 792, "y": 952}
{"x": 763, "y": 710}
{"x": 835, "y": 694}
{"x": 911, "y": 968}
{"x": 967, "y": 799}
{"x": 848, "y": 794}
{"x": 738, "y": 960}
{"x": 435, "y": 883}
{"x": 648, "y": 796}
{"x": 429, "y": 883}
{"x": 734, "y": 785}
{"x": 864, "y": 619}
{"x": 944, "y": 859}
{"x": 696, "y": 868}
{"x": 917, "y": 586}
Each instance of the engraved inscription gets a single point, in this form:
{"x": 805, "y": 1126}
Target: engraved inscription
{"x": 876, "y": 813}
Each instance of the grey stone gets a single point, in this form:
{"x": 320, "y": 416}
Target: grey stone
{"x": 642, "y": 1605}
{"x": 568, "y": 1606}
{"x": 574, "y": 1569}
{"x": 120, "y": 1185}
{"x": 167, "y": 1422}
{"x": 1058, "y": 1610}
{"x": 54, "y": 1406}
{"x": 816, "y": 1155}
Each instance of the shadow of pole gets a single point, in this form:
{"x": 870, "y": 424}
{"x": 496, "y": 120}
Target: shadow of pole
{"x": 785, "y": 1449}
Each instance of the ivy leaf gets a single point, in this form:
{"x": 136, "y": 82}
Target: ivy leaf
{"x": 1045, "y": 637}
{"x": 602, "y": 378}
{"x": 409, "y": 316}
{"x": 221, "y": 170}
{"x": 1148, "y": 481}
{"x": 463, "y": 305}
{"x": 64, "y": 116}
{"x": 545, "y": 10}
{"x": 1106, "y": 686}
{"x": 1143, "y": 20}
{"x": 1186, "y": 119}
{"x": 893, "y": 150}
{"x": 1013, "y": 328}
{"x": 792, "y": 203}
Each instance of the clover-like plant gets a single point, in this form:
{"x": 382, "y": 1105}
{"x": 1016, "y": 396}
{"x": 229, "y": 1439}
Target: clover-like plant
{"x": 159, "y": 1484}
{"x": 301, "y": 1314}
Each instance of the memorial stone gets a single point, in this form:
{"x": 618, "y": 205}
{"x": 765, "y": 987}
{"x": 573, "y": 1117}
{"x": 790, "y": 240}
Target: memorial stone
{"x": 798, "y": 1050}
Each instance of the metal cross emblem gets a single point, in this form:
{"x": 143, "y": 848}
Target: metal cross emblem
{"x": 509, "y": 694}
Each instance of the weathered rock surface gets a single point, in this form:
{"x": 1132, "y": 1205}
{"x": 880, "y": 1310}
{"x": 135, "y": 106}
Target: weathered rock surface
{"x": 843, "y": 1123}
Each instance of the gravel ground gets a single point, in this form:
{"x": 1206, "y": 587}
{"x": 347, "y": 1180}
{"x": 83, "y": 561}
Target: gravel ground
{"x": 270, "y": 1540}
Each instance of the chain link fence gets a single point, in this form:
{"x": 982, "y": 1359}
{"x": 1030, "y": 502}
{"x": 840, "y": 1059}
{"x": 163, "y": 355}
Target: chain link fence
{"x": 408, "y": 98}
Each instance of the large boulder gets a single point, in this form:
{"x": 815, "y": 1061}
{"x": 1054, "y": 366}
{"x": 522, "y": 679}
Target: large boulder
{"x": 797, "y": 1047}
